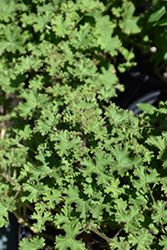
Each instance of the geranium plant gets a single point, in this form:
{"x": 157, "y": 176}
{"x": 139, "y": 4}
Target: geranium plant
{"x": 72, "y": 162}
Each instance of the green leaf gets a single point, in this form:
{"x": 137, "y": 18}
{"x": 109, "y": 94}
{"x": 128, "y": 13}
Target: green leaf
{"x": 60, "y": 26}
{"x": 25, "y": 133}
{"x": 69, "y": 241}
{"x": 42, "y": 20}
{"x": 82, "y": 38}
{"x": 3, "y": 215}
{"x": 83, "y": 205}
{"x": 52, "y": 197}
{"x": 129, "y": 23}
{"x": 26, "y": 64}
{"x": 104, "y": 30}
{"x": 36, "y": 82}
{"x": 163, "y": 242}
{"x": 48, "y": 7}
{"x": 64, "y": 243}
{"x": 123, "y": 161}
{"x": 160, "y": 212}
{"x": 116, "y": 116}
{"x": 144, "y": 178}
{"x": 162, "y": 22}
{"x": 120, "y": 244}
{"x": 65, "y": 142}
{"x": 108, "y": 80}
{"x": 60, "y": 219}
{"x": 40, "y": 171}
{"x": 129, "y": 217}
{"x": 142, "y": 239}
{"x": 160, "y": 143}
{"x": 13, "y": 40}
{"x": 3, "y": 46}
{"x": 90, "y": 5}
{"x": 103, "y": 177}
{"x": 16, "y": 156}
{"x": 157, "y": 141}
{"x": 154, "y": 2}
{"x": 35, "y": 191}
{"x": 114, "y": 189}
{"x": 7, "y": 10}
{"x": 156, "y": 16}
{"x": 30, "y": 104}
{"x": 33, "y": 243}
{"x": 33, "y": 100}
{"x": 41, "y": 215}
{"x": 146, "y": 107}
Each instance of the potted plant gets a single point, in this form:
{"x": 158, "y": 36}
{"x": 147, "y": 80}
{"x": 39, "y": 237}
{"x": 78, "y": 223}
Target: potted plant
{"x": 72, "y": 162}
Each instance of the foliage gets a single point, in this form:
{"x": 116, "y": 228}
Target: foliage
{"x": 154, "y": 35}
{"x": 72, "y": 161}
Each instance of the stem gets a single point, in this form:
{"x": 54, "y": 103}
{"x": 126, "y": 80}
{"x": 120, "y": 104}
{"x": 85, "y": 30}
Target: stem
{"x": 99, "y": 233}
{"x": 90, "y": 227}
{"x": 157, "y": 71}
{"x": 79, "y": 20}
{"x": 14, "y": 197}
{"x": 3, "y": 132}
{"x": 152, "y": 197}
{"x": 47, "y": 236}
{"x": 25, "y": 222}
{"x": 31, "y": 227}
{"x": 48, "y": 27}
{"x": 8, "y": 178}
{"x": 117, "y": 233}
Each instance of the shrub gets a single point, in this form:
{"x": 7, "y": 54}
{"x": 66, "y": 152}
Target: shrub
{"x": 70, "y": 158}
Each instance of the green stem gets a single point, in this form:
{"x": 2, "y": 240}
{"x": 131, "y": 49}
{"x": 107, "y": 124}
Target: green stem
{"x": 152, "y": 197}
{"x": 90, "y": 227}
{"x": 117, "y": 233}
{"x": 99, "y": 233}
{"x": 8, "y": 178}
{"x": 79, "y": 20}
{"x": 21, "y": 220}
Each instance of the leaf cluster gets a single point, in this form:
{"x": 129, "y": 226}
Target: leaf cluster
{"x": 71, "y": 161}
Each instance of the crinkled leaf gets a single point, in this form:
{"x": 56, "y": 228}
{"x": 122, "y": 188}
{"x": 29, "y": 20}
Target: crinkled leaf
{"x": 3, "y": 215}
{"x": 142, "y": 239}
{"x": 163, "y": 242}
{"x": 69, "y": 241}
{"x": 82, "y": 204}
{"x": 34, "y": 243}
{"x": 35, "y": 190}
{"x": 13, "y": 40}
{"x": 129, "y": 23}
